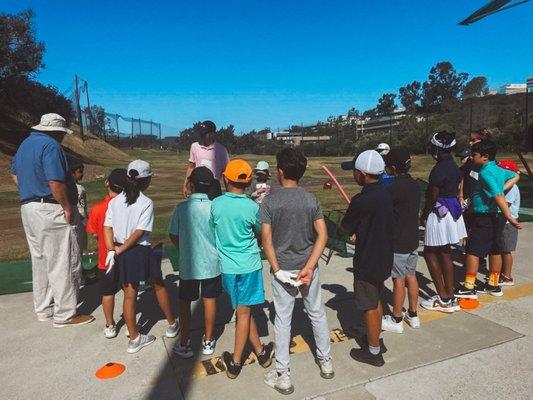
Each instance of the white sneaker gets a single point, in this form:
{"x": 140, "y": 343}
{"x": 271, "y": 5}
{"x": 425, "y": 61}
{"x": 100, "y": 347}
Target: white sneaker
{"x": 172, "y": 330}
{"x": 141, "y": 341}
{"x": 326, "y": 368}
{"x": 455, "y": 305}
{"x": 390, "y": 325}
{"x": 208, "y": 346}
{"x": 413, "y": 322}
{"x": 183, "y": 350}
{"x": 436, "y": 304}
{"x": 282, "y": 383}
{"x": 110, "y": 331}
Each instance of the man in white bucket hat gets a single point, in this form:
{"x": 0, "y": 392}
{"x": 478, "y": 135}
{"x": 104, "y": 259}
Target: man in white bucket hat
{"x": 49, "y": 215}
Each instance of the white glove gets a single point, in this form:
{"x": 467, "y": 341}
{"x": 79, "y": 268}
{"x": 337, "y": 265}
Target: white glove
{"x": 287, "y": 277}
{"x": 110, "y": 260}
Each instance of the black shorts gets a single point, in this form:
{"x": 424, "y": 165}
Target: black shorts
{"x": 189, "y": 290}
{"x": 108, "y": 282}
{"x": 367, "y": 294}
{"x": 485, "y": 235}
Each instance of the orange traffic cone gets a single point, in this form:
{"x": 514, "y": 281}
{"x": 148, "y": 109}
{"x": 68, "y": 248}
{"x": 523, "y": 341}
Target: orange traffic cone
{"x": 110, "y": 370}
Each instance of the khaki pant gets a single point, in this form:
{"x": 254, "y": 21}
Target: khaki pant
{"x": 55, "y": 259}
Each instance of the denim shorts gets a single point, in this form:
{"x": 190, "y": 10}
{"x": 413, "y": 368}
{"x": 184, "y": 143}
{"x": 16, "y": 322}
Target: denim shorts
{"x": 244, "y": 289}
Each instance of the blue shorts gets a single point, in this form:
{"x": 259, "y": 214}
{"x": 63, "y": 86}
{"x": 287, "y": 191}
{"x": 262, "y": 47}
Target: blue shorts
{"x": 244, "y": 289}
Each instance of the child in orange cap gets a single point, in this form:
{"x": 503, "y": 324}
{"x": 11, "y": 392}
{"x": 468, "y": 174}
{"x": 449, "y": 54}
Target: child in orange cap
{"x": 236, "y": 220}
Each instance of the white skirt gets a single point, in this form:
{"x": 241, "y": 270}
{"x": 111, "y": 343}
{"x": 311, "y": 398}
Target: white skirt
{"x": 444, "y": 231}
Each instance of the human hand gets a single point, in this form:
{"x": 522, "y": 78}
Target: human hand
{"x": 68, "y": 215}
{"x": 305, "y": 276}
{"x": 186, "y": 192}
{"x": 516, "y": 224}
{"x": 287, "y": 277}
{"x": 110, "y": 260}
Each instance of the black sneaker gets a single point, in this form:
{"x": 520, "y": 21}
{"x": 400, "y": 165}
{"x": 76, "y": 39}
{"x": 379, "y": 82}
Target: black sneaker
{"x": 492, "y": 290}
{"x": 464, "y": 293}
{"x": 364, "y": 344}
{"x": 506, "y": 281}
{"x": 364, "y": 356}
{"x": 265, "y": 358}
{"x": 232, "y": 370}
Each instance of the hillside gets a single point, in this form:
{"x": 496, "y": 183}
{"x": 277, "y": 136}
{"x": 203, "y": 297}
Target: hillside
{"x": 96, "y": 154}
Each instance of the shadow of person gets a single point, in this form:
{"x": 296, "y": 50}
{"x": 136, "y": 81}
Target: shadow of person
{"x": 90, "y": 299}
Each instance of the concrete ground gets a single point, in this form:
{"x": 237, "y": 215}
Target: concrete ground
{"x": 484, "y": 353}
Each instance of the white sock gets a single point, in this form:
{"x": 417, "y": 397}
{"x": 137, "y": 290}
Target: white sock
{"x": 374, "y": 350}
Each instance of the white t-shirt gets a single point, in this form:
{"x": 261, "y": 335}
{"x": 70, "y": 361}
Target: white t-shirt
{"x": 512, "y": 197}
{"x": 125, "y": 219}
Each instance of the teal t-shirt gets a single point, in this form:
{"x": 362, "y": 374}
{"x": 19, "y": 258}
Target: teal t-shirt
{"x": 489, "y": 185}
{"x": 191, "y": 221}
{"x": 236, "y": 221}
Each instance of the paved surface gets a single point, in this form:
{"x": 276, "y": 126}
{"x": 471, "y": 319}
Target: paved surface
{"x": 485, "y": 353}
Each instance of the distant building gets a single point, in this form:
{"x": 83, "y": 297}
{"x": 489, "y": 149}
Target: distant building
{"x": 512, "y": 88}
{"x": 297, "y": 138}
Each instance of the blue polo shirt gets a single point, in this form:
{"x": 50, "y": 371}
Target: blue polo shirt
{"x": 40, "y": 159}
{"x": 446, "y": 175}
{"x": 490, "y": 184}
{"x": 198, "y": 257}
{"x": 236, "y": 221}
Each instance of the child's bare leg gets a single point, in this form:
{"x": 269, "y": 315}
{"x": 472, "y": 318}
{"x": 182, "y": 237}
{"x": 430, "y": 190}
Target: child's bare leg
{"x": 254, "y": 337}
{"x": 373, "y": 325}
{"x": 108, "y": 305}
{"x": 128, "y": 309}
{"x": 507, "y": 264}
{"x": 242, "y": 331}
{"x": 398, "y": 296}
{"x": 185, "y": 320}
{"x": 447, "y": 270}
{"x": 412, "y": 292}
{"x": 210, "y": 312}
{"x": 431, "y": 255}
{"x": 161, "y": 294}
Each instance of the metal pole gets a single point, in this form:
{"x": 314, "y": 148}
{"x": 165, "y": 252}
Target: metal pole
{"x": 78, "y": 108}
{"x": 118, "y": 132}
{"x": 471, "y": 112}
{"x": 160, "y": 140}
{"x": 151, "y": 131}
{"x": 131, "y": 145}
{"x": 527, "y": 119}
{"x": 89, "y": 111}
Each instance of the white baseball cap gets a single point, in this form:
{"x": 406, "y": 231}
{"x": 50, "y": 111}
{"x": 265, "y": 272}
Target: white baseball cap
{"x": 52, "y": 123}
{"x": 370, "y": 162}
{"x": 142, "y": 169}
{"x": 383, "y": 148}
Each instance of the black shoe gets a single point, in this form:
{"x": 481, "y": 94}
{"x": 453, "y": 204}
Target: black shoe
{"x": 232, "y": 370}
{"x": 265, "y": 358}
{"x": 366, "y": 357}
{"x": 492, "y": 290}
{"x": 463, "y": 292}
{"x": 364, "y": 344}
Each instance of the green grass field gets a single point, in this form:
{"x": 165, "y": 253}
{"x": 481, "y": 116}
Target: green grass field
{"x": 165, "y": 190}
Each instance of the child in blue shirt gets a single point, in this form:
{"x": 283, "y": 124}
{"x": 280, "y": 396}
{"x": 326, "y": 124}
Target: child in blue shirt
{"x": 236, "y": 220}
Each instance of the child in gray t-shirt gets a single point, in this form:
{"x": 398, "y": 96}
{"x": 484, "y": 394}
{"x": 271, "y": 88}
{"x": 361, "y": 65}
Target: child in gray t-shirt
{"x": 294, "y": 236}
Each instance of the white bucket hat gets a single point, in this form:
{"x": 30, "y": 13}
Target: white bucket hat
{"x": 370, "y": 162}
{"x": 52, "y": 123}
{"x": 383, "y": 148}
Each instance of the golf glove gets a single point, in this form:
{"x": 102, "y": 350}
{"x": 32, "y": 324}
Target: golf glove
{"x": 110, "y": 260}
{"x": 287, "y": 277}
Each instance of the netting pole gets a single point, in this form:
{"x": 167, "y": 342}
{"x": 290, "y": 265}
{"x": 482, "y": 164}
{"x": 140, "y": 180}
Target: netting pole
{"x": 131, "y": 145}
{"x": 140, "y": 131}
{"x": 151, "y": 133}
{"x": 118, "y": 132}
{"x": 160, "y": 140}
{"x": 78, "y": 108}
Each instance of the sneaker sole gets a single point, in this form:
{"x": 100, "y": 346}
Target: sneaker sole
{"x": 171, "y": 336}
{"x": 392, "y": 331}
{"x": 323, "y": 374}
{"x": 110, "y": 337}
{"x": 228, "y": 374}
{"x": 496, "y": 294}
{"x": 208, "y": 352}
{"x": 467, "y": 296}
{"x": 285, "y": 391}
{"x": 444, "y": 310}
{"x": 137, "y": 349}
{"x": 58, "y": 325}
{"x": 506, "y": 284}
{"x": 184, "y": 356}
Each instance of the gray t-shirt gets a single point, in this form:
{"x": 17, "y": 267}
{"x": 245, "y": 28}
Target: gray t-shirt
{"x": 291, "y": 212}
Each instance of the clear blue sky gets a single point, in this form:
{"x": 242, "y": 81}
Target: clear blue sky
{"x": 269, "y": 63}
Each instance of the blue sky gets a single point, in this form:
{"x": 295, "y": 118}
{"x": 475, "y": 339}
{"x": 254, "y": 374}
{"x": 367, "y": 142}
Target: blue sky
{"x": 263, "y": 63}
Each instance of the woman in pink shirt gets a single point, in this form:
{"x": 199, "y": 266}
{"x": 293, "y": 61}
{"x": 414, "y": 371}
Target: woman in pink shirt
{"x": 208, "y": 153}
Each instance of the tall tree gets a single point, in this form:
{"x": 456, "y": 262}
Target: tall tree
{"x": 444, "y": 84}
{"x": 410, "y": 96}
{"x": 20, "y": 52}
{"x": 477, "y": 86}
{"x": 386, "y": 104}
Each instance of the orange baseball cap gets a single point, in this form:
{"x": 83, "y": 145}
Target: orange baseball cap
{"x": 238, "y": 171}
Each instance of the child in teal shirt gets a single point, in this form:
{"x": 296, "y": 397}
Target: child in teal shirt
{"x": 236, "y": 220}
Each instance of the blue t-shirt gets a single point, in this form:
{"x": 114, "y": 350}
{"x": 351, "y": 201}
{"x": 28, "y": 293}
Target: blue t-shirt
{"x": 446, "y": 175}
{"x": 198, "y": 257}
{"x": 236, "y": 221}
{"x": 38, "y": 160}
{"x": 490, "y": 184}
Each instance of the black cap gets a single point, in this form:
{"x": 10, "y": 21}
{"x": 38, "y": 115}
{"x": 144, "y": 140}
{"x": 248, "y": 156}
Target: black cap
{"x": 202, "y": 178}
{"x": 117, "y": 180}
{"x": 75, "y": 163}
{"x": 207, "y": 127}
{"x": 466, "y": 152}
{"x": 348, "y": 165}
{"x": 399, "y": 158}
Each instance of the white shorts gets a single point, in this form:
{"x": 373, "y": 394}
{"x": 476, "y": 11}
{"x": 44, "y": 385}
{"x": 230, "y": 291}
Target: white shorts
{"x": 444, "y": 231}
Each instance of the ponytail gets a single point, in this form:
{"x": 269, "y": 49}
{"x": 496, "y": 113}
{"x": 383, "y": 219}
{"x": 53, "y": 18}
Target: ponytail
{"x": 132, "y": 187}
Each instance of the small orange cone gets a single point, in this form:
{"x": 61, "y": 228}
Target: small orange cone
{"x": 110, "y": 370}
{"x": 469, "y": 304}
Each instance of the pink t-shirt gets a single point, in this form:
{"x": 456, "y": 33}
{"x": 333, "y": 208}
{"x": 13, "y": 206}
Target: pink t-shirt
{"x": 214, "y": 157}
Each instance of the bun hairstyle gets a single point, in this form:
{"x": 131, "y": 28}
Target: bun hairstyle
{"x": 134, "y": 186}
